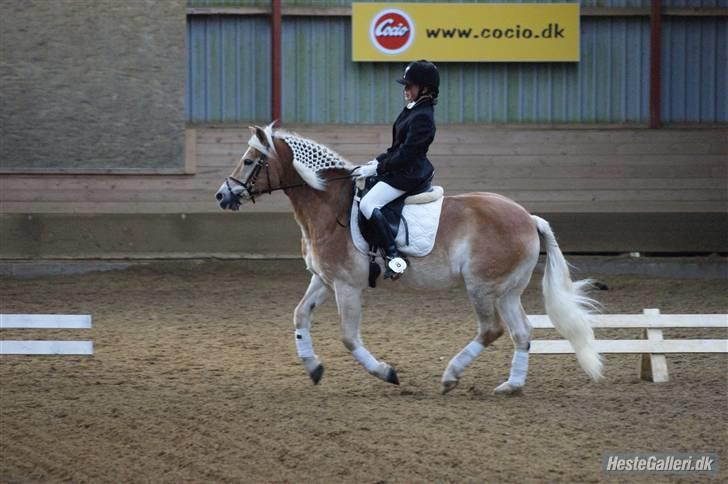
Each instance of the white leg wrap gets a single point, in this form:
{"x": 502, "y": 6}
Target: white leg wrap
{"x": 304, "y": 345}
{"x": 465, "y": 357}
{"x": 365, "y": 359}
{"x": 519, "y": 368}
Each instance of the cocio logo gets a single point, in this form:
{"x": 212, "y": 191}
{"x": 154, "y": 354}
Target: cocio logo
{"x": 392, "y": 31}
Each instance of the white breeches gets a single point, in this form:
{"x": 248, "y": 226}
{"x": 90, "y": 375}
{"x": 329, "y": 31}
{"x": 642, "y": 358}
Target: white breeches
{"x": 380, "y": 195}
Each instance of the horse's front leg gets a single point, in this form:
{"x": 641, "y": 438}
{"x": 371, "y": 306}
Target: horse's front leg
{"x": 348, "y": 299}
{"x": 316, "y": 294}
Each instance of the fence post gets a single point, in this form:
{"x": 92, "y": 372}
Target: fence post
{"x": 654, "y": 365}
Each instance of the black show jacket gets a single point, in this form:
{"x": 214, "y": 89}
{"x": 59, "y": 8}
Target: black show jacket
{"x": 405, "y": 165}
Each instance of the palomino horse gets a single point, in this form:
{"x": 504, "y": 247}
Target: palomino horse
{"x": 484, "y": 240}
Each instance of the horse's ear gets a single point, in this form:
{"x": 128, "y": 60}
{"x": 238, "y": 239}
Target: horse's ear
{"x": 260, "y": 134}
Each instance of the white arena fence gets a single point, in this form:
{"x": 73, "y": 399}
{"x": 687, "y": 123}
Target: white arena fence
{"x": 44, "y": 347}
{"x": 652, "y": 346}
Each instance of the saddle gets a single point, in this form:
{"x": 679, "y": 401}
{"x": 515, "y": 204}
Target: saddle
{"x": 392, "y": 212}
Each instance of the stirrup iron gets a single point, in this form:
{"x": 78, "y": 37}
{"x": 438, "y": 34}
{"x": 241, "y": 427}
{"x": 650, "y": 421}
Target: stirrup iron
{"x": 397, "y": 265}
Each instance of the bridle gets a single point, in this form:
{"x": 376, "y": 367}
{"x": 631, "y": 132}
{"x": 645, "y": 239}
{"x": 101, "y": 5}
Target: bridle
{"x": 249, "y": 183}
{"x": 262, "y": 163}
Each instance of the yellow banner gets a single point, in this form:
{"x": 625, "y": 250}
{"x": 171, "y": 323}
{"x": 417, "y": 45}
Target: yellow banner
{"x": 532, "y": 32}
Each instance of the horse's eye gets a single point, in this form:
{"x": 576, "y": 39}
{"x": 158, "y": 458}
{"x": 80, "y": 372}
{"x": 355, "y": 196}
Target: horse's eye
{"x": 248, "y": 162}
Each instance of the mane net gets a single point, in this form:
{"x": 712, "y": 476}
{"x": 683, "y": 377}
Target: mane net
{"x": 311, "y": 158}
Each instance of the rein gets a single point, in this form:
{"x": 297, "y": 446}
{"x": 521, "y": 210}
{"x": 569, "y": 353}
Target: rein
{"x": 260, "y": 163}
{"x": 341, "y": 202}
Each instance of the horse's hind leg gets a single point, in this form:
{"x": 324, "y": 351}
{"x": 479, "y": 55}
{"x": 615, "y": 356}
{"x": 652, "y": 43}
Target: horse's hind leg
{"x": 316, "y": 294}
{"x": 490, "y": 329}
{"x": 511, "y": 311}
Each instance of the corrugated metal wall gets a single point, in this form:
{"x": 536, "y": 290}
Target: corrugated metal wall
{"x": 694, "y": 66}
{"x": 347, "y": 3}
{"x": 229, "y": 73}
{"x": 228, "y": 68}
{"x": 609, "y": 85}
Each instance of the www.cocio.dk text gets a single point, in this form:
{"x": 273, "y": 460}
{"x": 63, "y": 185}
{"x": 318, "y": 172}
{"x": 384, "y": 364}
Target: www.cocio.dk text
{"x": 551, "y": 31}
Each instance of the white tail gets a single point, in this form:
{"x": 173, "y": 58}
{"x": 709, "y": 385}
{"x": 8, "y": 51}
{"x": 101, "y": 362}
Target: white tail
{"x": 566, "y": 304}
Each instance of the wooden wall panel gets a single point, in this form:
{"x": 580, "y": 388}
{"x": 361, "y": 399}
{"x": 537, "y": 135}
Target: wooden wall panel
{"x": 547, "y": 170}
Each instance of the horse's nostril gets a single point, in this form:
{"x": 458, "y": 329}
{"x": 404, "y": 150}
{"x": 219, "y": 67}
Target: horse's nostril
{"x": 219, "y": 196}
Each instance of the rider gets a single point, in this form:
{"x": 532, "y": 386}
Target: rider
{"x": 404, "y": 167}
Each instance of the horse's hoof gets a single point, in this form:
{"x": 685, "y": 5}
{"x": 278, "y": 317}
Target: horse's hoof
{"x": 507, "y": 389}
{"x": 392, "y": 377}
{"x": 448, "y": 386}
{"x": 317, "y": 374}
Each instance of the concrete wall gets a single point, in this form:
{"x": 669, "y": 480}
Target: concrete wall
{"x": 92, "y": 84}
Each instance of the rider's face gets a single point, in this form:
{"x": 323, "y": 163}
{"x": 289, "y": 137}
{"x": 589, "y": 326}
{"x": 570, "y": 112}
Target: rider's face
{"x": 411, "y": 91}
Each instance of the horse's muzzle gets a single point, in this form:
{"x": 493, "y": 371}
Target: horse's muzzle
{"x": 227, "y": 198}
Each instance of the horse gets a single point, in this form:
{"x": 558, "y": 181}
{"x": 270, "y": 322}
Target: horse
{"x": 484, "y": 240}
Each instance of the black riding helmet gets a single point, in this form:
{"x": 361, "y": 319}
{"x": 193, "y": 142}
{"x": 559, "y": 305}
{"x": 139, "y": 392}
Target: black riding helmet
{"x": 422, "y": 73}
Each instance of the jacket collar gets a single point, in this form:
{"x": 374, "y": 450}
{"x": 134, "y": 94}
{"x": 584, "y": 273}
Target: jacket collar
{"x": 422, "y": 100}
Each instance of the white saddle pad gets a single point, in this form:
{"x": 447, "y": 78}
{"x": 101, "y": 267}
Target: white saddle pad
{"x": 422, "y": 221}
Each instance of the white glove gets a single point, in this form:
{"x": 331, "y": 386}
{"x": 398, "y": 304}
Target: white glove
{"x": 367, "y": 169}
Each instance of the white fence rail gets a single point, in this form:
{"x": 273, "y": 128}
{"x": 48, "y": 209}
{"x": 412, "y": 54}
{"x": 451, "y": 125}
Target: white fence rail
{"x": 653, "y": 346}
{"x": 45, "y": 321}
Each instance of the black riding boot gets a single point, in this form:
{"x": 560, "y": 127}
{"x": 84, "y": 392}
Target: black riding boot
{"x": 394, "y": 262}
